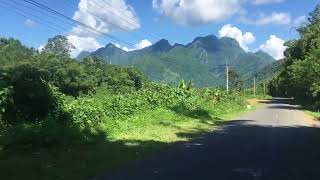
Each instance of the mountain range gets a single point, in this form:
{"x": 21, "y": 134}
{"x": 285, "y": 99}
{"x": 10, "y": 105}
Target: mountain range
{"x": 202, "y": 61}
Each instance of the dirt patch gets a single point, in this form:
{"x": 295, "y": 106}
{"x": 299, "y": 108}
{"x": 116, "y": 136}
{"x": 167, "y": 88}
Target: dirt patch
{"x": 311, "y": 120}
{"x": 252, "y": 102}
{"x": 257, "y": 101}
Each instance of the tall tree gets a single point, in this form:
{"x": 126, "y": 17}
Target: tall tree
{"x": 58, "y": 45}
{"x": 300, "y": 76}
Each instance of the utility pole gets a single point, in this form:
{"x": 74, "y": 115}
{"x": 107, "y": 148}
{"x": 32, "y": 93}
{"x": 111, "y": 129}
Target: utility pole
{"x": 264, "y": 88}
{"x": 244, "y": 89}
{"x": 227, "y": 75}
{"x": 254, "y": 86}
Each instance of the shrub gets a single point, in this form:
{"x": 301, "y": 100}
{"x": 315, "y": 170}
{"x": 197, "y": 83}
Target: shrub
{"x": 30, "y": 98}
{"x": 85, "y": 112}
{"x": 6, "y": 103}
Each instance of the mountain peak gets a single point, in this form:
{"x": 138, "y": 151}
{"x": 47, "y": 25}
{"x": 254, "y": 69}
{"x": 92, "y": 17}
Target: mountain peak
{"x": 178, "y": 45}
{"x": 162, "y": 42}
{"x": 110, "y": 45}
{"x": 230, "y": 41}
{"x": 205, "y": 38}
{"x": 264, "y": 55}
{"x": 262, "y": 52}
{"x": 161, "y": 46}
{"x": 83, "y": 54}
{"x": 210, "y": 43}
{"x": 200, "y": 61}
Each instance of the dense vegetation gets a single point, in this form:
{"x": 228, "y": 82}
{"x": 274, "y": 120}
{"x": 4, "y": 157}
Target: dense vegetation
{"x": 300, "y": 74}
{"x": 201, "y": 61}
{"x": 268, "y": 72}
{"x": 57, "y": 113}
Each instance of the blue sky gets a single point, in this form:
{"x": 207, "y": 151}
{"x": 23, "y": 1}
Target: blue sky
{"x": 251, "y": 22}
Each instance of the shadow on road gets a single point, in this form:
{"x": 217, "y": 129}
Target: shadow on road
{"x": 238, "y": 151}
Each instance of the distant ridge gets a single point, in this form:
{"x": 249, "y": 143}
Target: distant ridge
{"x": 201, "y": 61}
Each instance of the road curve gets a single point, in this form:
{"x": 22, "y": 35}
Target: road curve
{"x": 277, "y": 142}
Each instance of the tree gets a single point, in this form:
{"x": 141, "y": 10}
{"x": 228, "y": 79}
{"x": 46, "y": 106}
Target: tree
{"x": 314, "y": 15}
{"x": 300, "y": 75}
{"x": 29, "y": 97}
{"x": 58, "y": 45}
{"x": 235, "y": 80}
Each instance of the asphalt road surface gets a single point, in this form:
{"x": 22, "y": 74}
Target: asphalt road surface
{"x": 277, "y": 142}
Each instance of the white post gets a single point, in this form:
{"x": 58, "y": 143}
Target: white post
{"x": 227, "y": 79}
{"x": 244, "y": 89}
{"x": 254, "y": 86}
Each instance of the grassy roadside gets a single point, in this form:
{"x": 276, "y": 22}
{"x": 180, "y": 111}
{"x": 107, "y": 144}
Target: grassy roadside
{"x": 313, "y": 111}
{"x": 314, "y": 114}
{"x": 135, "y": 138}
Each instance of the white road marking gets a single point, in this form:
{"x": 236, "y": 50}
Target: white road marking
{"x": 277, "y": 120}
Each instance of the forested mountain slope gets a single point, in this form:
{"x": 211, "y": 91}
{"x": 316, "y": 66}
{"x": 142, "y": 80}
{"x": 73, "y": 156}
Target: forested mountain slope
{"x": 202, "y": 61}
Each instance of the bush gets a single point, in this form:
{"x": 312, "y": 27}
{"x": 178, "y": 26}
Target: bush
{"x": 85, "y": 112}
{"x": 30, "y": 98}
{"x": 6, "y": 103}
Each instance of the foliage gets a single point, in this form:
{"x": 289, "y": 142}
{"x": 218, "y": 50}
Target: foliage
{"x": 6, "y": 103}
{"x": 265, "y": 74}
{"x": 235, "y": 81}
{"x": 28, "y": 80}
{"x": 299, "y": 77}
{"x": 51, "y": 104}
{"x": 58, "y": 45}
{"x": 29, "y": 97}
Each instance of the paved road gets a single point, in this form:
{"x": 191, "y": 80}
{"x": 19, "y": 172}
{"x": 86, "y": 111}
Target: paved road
{"x": 277, "y": 142}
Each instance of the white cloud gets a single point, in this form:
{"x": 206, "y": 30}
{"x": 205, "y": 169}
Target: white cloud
{"x": 274, "y": 46}
{"x": 260, "y": 2}
{"x": 142, "y": 44}
{"x": 29, "y": 23}
{"x": 274, "y": 18}
{"x": 105, "y": 16}
{"x": 117, "y": 45}
{"x": 244, "y": 39}
{"x": 41, "y": 47}
{"x": 83, "y": 44}
{"x": 109, "y": 20}
{"x": 299, "y": 21}
{"x": 197, "y": 12}
{"x": 126, "y": 49}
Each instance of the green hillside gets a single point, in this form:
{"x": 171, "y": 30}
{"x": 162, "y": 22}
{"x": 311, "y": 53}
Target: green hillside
{"x": 202, "y": 61}
{"x": 269, "y": 71}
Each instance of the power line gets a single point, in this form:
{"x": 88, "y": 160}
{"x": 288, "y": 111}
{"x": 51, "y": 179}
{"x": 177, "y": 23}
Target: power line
{"x": 124, "y": 15}
{"x": 121, "y": 16}
{"x": 101, "y": 18}
{"x": 27, "y": 15}
{"x": 37, "y": 19}
{"x": 55, "y": 15}
{"x": 55, "y": 19}
{"x": 43, "y": 13}
{"x": 46, "y": 8}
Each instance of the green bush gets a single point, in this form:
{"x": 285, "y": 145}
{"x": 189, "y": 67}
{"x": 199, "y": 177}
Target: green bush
{"x": 6, "y": 103}
{"x": 85, "y": 112}
{"x": 29, "y": 98}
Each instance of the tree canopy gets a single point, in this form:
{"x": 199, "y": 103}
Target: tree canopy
{"x": 58, "y": 45}
{"x": 300, "y": 75}
{"x": 28, "y": 77}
